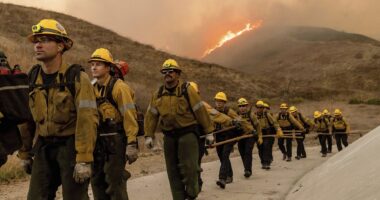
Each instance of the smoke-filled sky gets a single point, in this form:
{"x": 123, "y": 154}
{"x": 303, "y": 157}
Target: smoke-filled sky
{"x": 188, "y": 28}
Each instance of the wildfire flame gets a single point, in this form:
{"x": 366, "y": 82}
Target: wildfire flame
{"x": 231, "y": 35}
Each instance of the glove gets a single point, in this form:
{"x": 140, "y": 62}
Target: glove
{"x": 149, "y": 142}
{"x": 82, "y": 172}
{"x": 27, "y": 165}
{"x": 131, "y": 153}
{"x": 260, "y": 140}
{"x": 210, "y": 139}
{"x": 236, "y": 123}
{"x": 254, "y": 133}
{"x": 279, "y": 133}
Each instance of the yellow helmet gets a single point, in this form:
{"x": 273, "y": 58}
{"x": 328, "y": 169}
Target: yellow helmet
{"x": 220, "y": 96}
{"x": 260, "y": 103}
{"x": 103, "y": 55}
{"x": 170, "y": 64}
{"x": 284, "y": 106}
{"x": 317, "y": 114}
{"x": 51, "y": 27}
{"x": 292, "y": 109}
{"x": 242, "y": 102}
{"x": 325, "y": 112}
{"x": 195, "y": 86}
{"x": 266, "y": 105}
{"x": 337, "y": 112}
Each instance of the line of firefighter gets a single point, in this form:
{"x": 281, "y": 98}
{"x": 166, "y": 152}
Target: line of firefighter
{"x": 85, "y": 130}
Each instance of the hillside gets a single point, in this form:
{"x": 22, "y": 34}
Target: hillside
{"x": 144, "y": 60}
{"x": 307, "y": 62}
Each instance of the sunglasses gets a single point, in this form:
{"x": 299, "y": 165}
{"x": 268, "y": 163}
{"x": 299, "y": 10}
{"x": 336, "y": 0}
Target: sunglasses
{"x": 167, "y": 71}
{"x": 242, "y": 106}
{"x": 43, "y": 39}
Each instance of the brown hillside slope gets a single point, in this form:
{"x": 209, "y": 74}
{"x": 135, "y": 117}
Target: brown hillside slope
{"x": 144, "y": 60}
{"x": 307, "y": 62}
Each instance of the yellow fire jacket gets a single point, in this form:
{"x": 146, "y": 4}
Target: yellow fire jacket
{"x": 58, "y": 113}
{"x": 173, "y": 111}
{"x": 125, "y": 112}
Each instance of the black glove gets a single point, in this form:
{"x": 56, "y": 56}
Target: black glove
{"x": 254, "y": 133}
{"x": 27, "y": 165}
{"x": 237, "y": 124}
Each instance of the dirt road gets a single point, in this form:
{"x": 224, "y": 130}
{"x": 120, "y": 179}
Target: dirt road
{"x": 271, "y": 185}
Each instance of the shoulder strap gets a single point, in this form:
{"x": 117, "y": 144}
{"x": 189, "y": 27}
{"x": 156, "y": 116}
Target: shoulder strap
{"x": 33, "y": 74}
{"x": 109, "y": 91}
{"x": 269, "y": 121}
{"x": 184, "y": 92}
{"x": 160, "y": 91}
{"x": 72, "y": 74}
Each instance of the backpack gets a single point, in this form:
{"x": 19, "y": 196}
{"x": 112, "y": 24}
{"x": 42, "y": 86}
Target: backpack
{"x": 67, "y": 80}
{"x": 139, "y": 112}
{"x": 14, "y": 104}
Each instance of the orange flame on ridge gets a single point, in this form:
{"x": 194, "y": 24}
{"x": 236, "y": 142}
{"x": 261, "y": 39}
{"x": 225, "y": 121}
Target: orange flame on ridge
{"x": 230, "y": 35}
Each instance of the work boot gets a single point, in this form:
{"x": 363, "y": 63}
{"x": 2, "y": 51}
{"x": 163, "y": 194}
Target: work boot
{"x": 189, "y": 197}
{"x": 263, "y": 166}
{"x": 267, "y": 167}
{"x": 289, "y": 159}
{"x": 247, "y": 173}
{"x": 229, "y": 180}
{"x": 221, "y": 183}
{"x": 298, "y": 157}
{"x": 324, "y": 155}
{"x": 283, "y": 156}
{"x": 303, "y": 156}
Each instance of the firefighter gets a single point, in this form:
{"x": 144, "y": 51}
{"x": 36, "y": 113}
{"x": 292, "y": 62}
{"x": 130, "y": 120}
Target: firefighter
{"x": 179, "y": 111}
{"x": 287, "y": 123}
{"x": 322, "y": 128}
{"x": 340, "y": 129}
{"x": 307, "y": 124}
{"x": 62, "y": 101}
{"x": 224, "y": 151}
{"x": 217, "y": 118}
{"x": 270, "y": 129}
{"x": 12, "y": 111}
{"x": 116, "y": 141}
{"x": 328, "y": 117}
{"x": 246, "y": 145}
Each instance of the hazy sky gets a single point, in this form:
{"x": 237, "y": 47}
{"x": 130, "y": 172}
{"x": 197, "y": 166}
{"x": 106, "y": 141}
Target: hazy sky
{"x": 189, "y": 27}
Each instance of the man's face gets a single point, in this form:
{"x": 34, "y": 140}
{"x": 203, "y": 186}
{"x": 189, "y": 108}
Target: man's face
{"x": 260, "y": 109}
{"x": 219, "y": 104}
{"x": 47, "y": 48}
{"x": 283, "y": 110}
{"x": 243, "y": 109}
{"x": 294, "y": 114}
{"x": 170, "y": 75}
{"x": 99, "y": 69}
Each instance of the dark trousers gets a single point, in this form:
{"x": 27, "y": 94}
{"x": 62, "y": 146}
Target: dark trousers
{"x": 300, "y": 146}
{"x": 323, "y": 143}
{"x": 224, "y": 152}
{"x": 53, "y": 166}
{"x": 329, "y": 142}
{"x": 265, "y": 150}
{"x": 341, "y": 138}
{"x": 202, "y": 151}
{"x": 245, "y": 149}
{"x": 109, "y": 179}
{"x": 286, "y": 150}
{"x": 182, "y": 156}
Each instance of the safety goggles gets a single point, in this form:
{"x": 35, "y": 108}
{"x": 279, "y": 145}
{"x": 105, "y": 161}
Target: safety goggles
{"x": 241, "y": 106}
{"x": 43, "y": 39}
{"x": 167, "y": 71}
